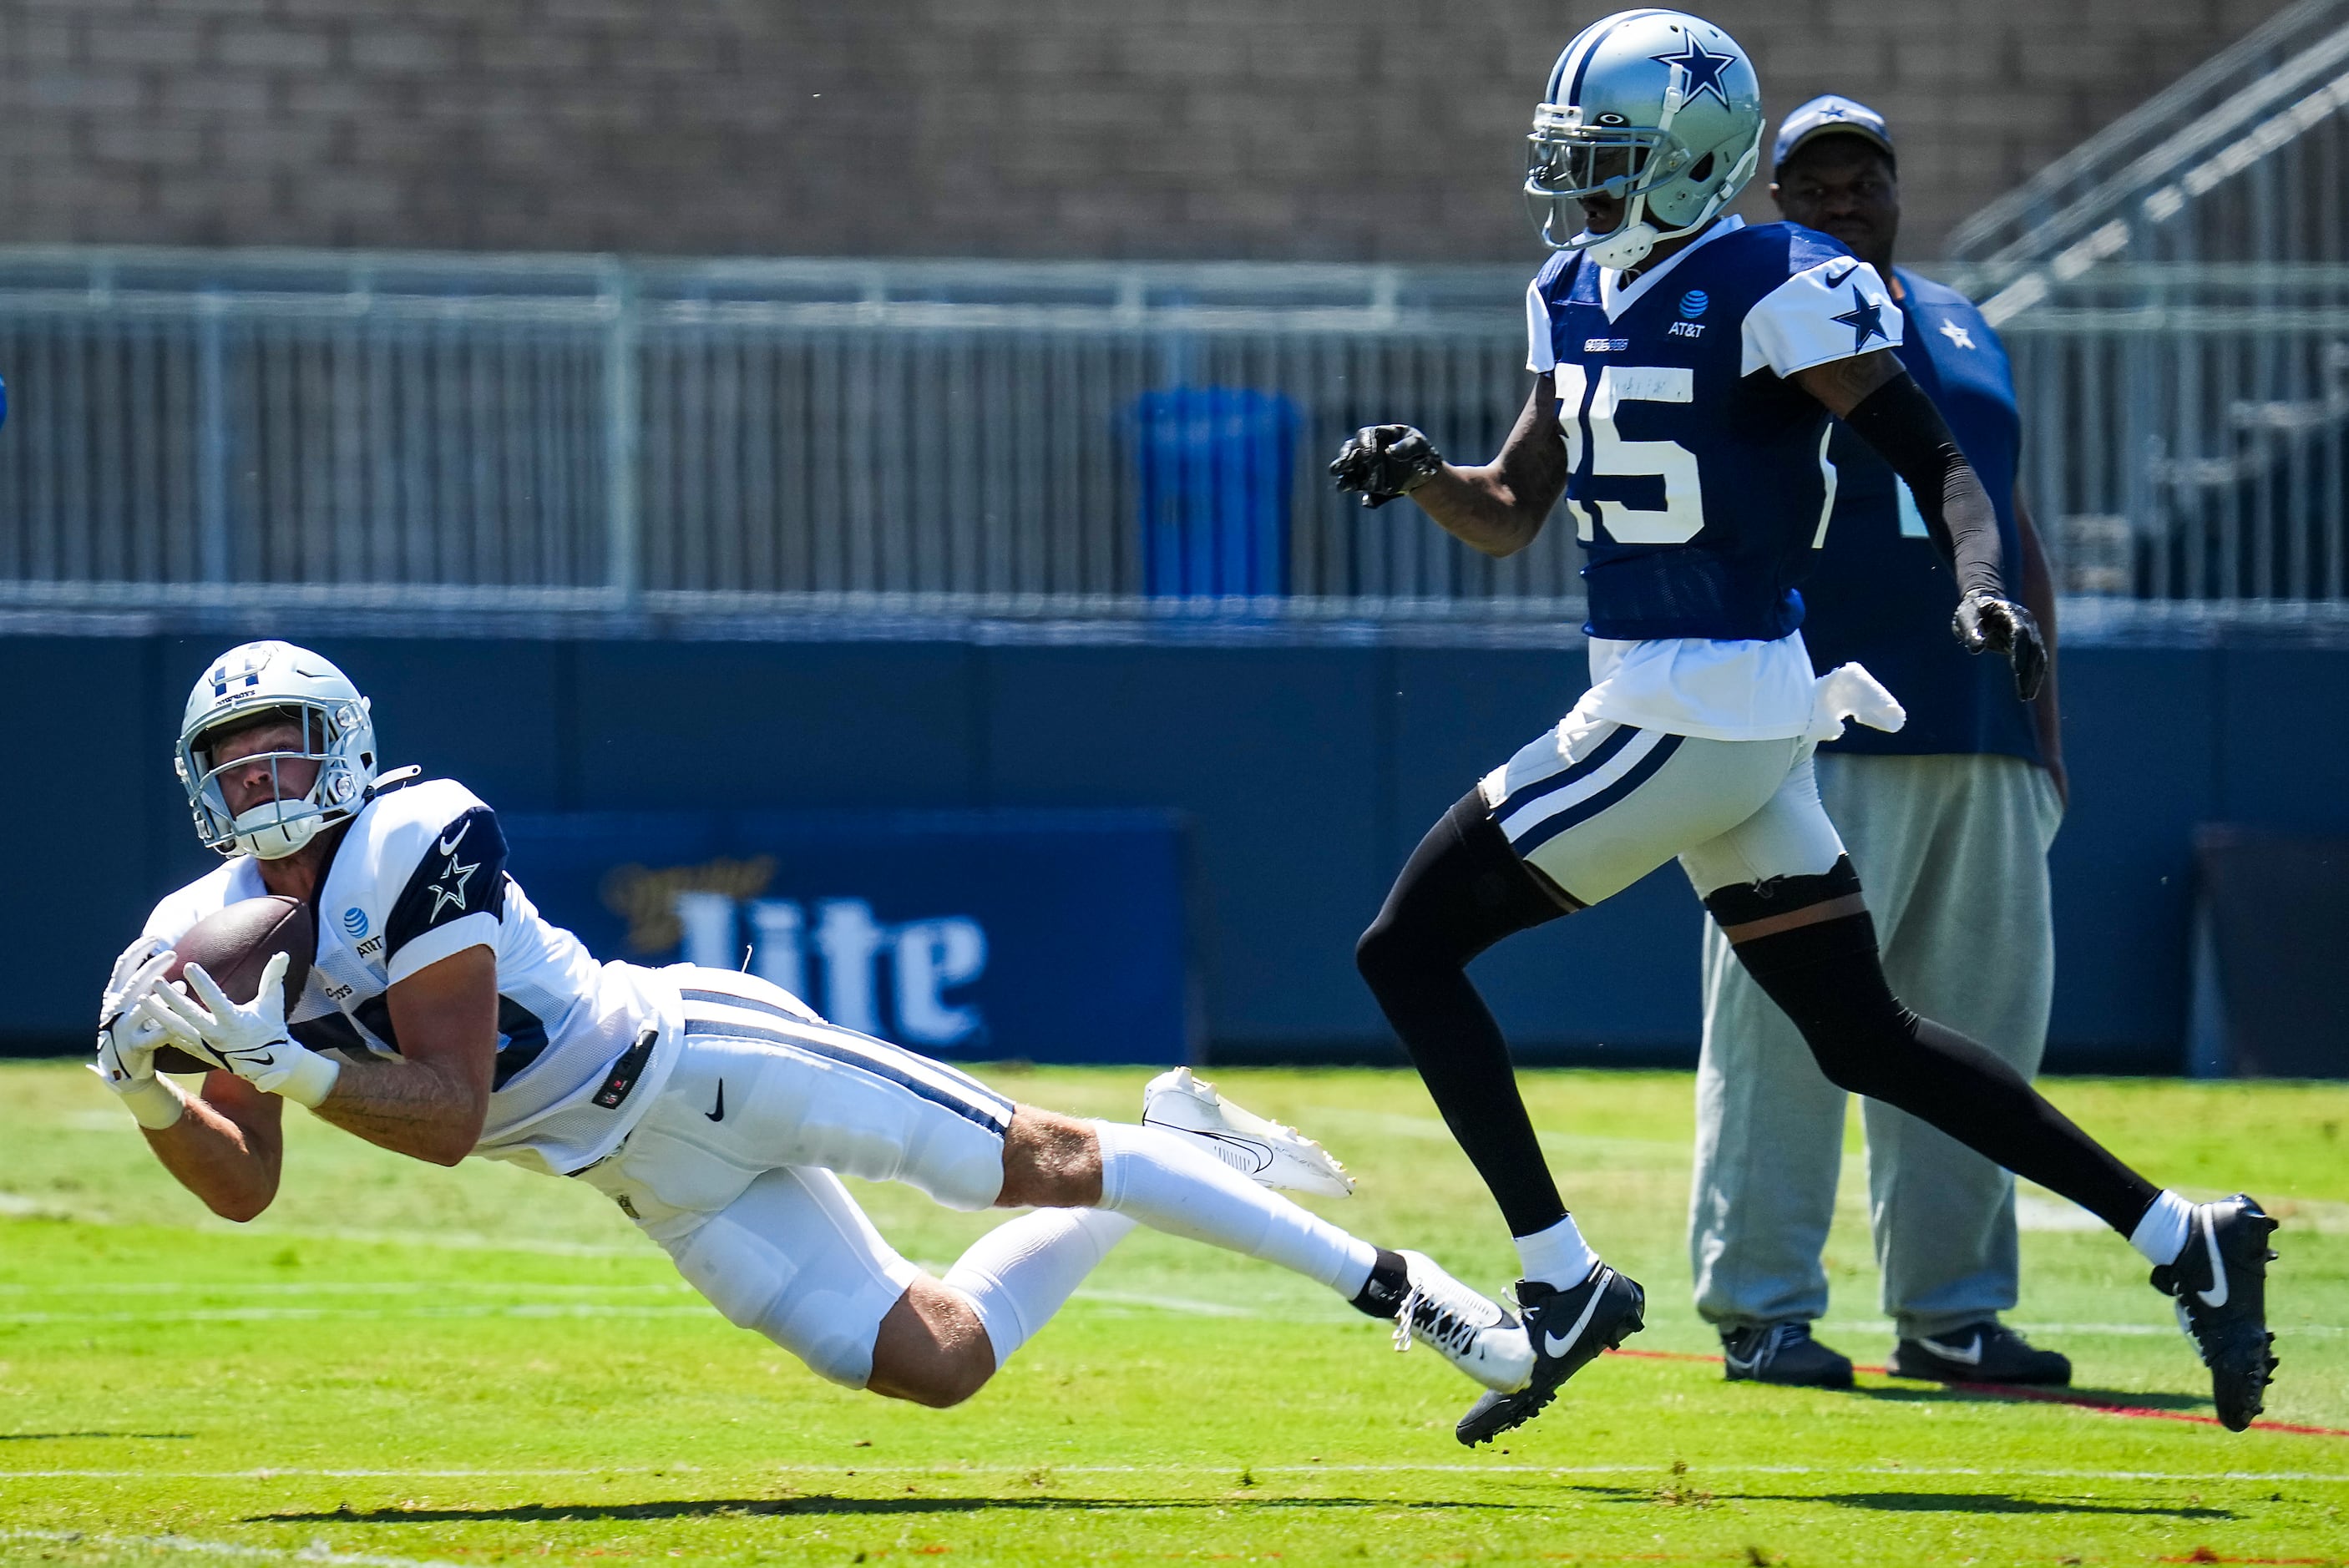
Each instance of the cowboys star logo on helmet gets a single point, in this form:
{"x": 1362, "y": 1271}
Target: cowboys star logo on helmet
{"x": 1653, "y": 109}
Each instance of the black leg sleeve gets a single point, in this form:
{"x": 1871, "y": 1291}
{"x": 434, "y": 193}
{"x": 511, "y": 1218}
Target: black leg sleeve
{"x": 1828, "y": 979}
{"x": 1463, "y": 890}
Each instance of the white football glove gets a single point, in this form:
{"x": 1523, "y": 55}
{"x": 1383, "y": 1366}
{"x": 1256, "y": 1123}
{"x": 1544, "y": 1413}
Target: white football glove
{"x": 250, "y": 1041}
{"x": 128, "y": 1035}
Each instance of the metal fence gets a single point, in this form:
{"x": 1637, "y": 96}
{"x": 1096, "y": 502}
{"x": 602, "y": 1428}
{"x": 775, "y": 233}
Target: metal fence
{"x": 1007, "y": 440}
{"x": 406, "y": 434}
{"x": 2186, "y": 434}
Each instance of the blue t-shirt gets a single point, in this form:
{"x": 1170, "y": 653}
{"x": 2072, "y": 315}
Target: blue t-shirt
{"x": 1697, "y": 480}
{"x": 1879, "y": 594}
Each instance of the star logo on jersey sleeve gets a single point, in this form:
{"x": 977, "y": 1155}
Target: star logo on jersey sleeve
{"x": 1865, "y": 320}
{"x": 449, "y": 887}
{"x": 1704, "y": 68}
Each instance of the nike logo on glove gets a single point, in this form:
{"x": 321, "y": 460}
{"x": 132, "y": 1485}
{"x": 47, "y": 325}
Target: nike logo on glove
{"x": 720, "y": 1114}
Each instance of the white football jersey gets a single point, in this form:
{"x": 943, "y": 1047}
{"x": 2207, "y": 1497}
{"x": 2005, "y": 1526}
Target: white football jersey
{"x": 583, "y": 1047}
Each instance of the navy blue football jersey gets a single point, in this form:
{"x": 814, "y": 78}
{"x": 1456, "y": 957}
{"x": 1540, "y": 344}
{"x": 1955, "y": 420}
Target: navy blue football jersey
{"x": 1699, "y": 481}
{"x": 1881, "y": 595}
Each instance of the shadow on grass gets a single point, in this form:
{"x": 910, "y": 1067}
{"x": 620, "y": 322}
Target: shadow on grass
{"x": 1903, "y": 1501}
{"x": 1985, "y": 1502}
{"x": 823, "y": 1503}
{"x": 2081, "y": 1398}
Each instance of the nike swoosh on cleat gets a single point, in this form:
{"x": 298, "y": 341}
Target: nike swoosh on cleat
{"x": 1553, "y": 1346}
{"x": 1257, "y": 1153}
{"x": 2218, "y": 1296}
{"x": 720, "y": 1114}
{"x": 1969, "y": 1356}
{"x": 1836, "y": 281}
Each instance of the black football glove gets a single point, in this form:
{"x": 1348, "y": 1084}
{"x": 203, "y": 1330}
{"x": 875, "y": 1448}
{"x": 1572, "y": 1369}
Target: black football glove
{"x": 1383, "y": 461}
{"x": 1986, "y": 620}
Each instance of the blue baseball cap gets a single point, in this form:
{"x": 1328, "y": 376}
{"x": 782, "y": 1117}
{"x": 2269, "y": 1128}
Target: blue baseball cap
{"x": 1830, "y": 114}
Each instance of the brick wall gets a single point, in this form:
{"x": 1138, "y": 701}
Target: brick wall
{"x": 1334, "y": 128}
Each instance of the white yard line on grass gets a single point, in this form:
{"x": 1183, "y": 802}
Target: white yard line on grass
{"x": 364, "y": 1314}
{"x": 1879, "y": 1472}
{"x": 316, "y": 1551}
{"x": 578, "y": 1309}
{"x": 18, "y": 1205}
{"x": 338, "y": 1287}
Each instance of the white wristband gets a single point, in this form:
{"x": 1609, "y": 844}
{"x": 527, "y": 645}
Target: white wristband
{"x": 312, "y": 1079}
{"x": 155, "y": 1104}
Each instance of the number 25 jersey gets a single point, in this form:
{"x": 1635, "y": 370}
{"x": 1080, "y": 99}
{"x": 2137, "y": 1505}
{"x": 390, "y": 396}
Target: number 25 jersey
{"x": 1699, "y": 480}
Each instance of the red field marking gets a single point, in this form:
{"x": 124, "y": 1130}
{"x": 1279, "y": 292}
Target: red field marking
{"x": 2044, "y": 1396}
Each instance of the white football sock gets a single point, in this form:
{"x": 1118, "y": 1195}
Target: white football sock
{"x": 2161, "y": 1235}
{"x": 1557, "y": 1256}
{"x": 1022, "y": 1271}
{"x": 1171, "y": 1184}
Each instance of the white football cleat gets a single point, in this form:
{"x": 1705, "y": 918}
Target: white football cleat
{"x": 1263, "y": 1151}
{"x": 1477, "y": 1335}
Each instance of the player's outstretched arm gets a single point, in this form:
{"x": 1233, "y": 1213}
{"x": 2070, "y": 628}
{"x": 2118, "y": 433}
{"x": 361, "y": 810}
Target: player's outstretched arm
{"x": 1498, "y": 508}
{"x": 430, "y": 1103}
{"x": 227, "y": 1148}
{"x": 1875, "y": 396}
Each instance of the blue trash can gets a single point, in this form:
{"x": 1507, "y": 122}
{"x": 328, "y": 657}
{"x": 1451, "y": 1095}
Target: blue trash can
{"x": 1216, "y": 464}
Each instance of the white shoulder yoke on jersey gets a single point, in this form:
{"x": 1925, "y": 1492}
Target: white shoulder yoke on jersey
{"x": 1839, "y": 309}
{"x": 425, "y": 866}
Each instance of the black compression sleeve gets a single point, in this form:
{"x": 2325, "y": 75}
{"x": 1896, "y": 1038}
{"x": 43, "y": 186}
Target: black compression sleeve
{"x": 1900, "y": 422}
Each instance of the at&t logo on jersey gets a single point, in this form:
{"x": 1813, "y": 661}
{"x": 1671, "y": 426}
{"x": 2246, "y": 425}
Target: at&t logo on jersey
{"x": 354, "y": 921}
{"x": 1693, "y": 304}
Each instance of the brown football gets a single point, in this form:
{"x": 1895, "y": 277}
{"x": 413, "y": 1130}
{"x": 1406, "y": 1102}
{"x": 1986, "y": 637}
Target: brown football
{"x": 234, "y": 945}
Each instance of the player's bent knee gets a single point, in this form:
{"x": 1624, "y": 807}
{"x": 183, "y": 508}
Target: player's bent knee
{"x": 931, "y": 1348}
{"x": 1049, "y": 1161}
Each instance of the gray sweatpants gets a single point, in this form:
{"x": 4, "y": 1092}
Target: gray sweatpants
{"x": 1952, "y": 854}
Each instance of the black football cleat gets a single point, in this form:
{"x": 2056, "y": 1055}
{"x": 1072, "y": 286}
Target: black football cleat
{"x": 1984, "y": 1352}
{"x": 1784, "y": 1353}
{"x": 1568, "y": 1329}
{"x": 2220, "y": 1283}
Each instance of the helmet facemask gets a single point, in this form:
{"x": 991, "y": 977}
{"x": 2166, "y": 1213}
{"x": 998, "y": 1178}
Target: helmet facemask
{"x": 282, "y": 825}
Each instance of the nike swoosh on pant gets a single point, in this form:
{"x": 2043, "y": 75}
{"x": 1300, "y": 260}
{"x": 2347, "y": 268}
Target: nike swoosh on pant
{"x": 2217, "y": 1296}
{"x": 720, "y": 1114}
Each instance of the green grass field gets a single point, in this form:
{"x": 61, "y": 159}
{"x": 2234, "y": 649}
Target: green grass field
{"x": 403, "y": 1364}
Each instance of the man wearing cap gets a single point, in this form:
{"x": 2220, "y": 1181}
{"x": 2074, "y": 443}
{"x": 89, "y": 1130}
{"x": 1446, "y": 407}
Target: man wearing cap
{"x": 1948, "y": 822}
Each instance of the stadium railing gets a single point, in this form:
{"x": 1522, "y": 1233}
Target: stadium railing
{"x": 718, "y": 443}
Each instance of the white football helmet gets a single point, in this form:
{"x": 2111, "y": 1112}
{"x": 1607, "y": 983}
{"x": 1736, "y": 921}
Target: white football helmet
{"x": 258, "y": 680}
{"x": 1656, "y": 108}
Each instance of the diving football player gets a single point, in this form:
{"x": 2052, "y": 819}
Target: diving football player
{"x": 443, "y": 1017}
{"x": 1685, "y": 369}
